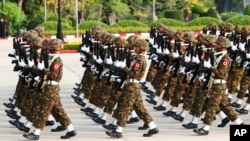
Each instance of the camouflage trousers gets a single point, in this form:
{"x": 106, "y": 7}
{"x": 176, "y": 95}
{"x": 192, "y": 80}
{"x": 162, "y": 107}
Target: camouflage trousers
{"x": 17, "y": 89}
{"x": 160, "y": 81}
{"x": 179, "y": 91}
{"x": 218, "y": 101}
{"x": 131, "y": 100}
{"x": 169, "y": 89}
{"x": 100, "y": 93}
{"x": 190, "y": 95}
{"x": 200, "y": 98}
{"x": 151, "y": 71}
{"x": 244, "y": 86}
{"x": 236, "y": 74}
{"x": 50, "y": 103}
{"x": 114, "y": 96}
{"x": 88, "y": 83}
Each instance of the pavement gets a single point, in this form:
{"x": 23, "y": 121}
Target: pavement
{"x": 170, "y": 129}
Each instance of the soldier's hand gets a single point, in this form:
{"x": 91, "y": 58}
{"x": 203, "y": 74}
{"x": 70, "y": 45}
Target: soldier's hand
{"x": 196, "y": 59}
{"x": 176, "y": 54}
{"x": 242, "y": 46}
{"x": 31, "y": 63}
{"x": 21, "y": 63}
{"x": 40, "y": 65}
{"x": 207, "y": 64}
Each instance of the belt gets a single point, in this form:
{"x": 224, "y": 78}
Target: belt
{"x": 133, "y": 81}
{"x": 51, "y": 82}
{"x": 219, "y": 81}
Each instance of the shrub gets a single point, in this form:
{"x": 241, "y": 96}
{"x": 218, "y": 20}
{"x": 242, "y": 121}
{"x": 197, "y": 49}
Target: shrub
{"x": 52, "y": 25}
{"x": 175, "y": 14}
{"x": 202, "y": 21}
{"x": 226, "y": 16}
{"x": 129, "y": 23}
{"x": 247, "y": 10}
{"x": 89, "y": 24}
{"x": 239, "y": 20}
{"x": 168, "y": 22}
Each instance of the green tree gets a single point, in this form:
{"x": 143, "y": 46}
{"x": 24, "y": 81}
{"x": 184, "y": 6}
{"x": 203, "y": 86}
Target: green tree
{"x": 247, "y": 10}
{"x": 14, "y": 17}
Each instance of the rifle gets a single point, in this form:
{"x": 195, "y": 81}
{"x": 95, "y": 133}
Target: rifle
{"x": 206, "y": 71}
{"x": 119, "y": 72}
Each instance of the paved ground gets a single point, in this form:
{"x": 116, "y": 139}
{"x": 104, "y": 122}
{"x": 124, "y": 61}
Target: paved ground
{"x": 170, "y": 129}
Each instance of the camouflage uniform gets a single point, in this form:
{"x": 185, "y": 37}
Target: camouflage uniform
{"x": 131, "y": 97}
{"x": 218, "y": 99}
{"x": 50, "y": 102}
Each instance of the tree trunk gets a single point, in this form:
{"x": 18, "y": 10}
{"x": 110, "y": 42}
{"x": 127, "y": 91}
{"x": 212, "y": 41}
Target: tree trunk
{"x": 20, "y": 3}
{"x": 112, "y": 18}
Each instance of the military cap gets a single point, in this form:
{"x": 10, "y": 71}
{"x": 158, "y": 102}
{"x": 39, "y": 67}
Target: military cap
{"x": 108, "y": 39}
{"x": 161, "y": 28}
{"x": 238, "y": 29}
{"x": 211, "y": 39}
{"x": 211, "y": 25}
{"x": 143, "y": 44}
{"x": 131, "y": 39}
{"x": 230, "y": 27}
{"x": 223, "y": 42}
{"x": 40, "y": 30}
{"x": 119, "y": 42}
{"x": 56, "y": 44}
{"x": 38, "y": 42}
{"x": 189, "y": 37}
{"x": 170, "y": 33}
{"x": 179, "y": 35}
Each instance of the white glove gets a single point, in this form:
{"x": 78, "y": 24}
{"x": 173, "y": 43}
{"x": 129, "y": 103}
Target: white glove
{"x": 20, "y": 73}
{"x": 248, "y": 55}
{"x": 176, "y": 54}
{"x": 99, "y": 60}
{"x": 114, "y": 78}
{"x": 21, "y": 63}
{"x": 40, "y": 65}
{"x": 30, "y": 63}
{"x": 187, "y": 58}
{"x": 231, "y": 43}
{"x": 158, "y": 50}
{"x": 155, "y": 46}
{"x": 166, "y": 51}
{"x": 123, "y": 64}
{"x": 196, "y": 59}
{"x": 84, "y": 48}
{"x": 117, "y": 63}
{"x": 207, "y": 64}
{"x": 242, "y": 46}
{"x": 171, "y": 68}
{"x": 83, "y": 57}
{"x": 105, "y": 72}
{"x": 202, "y": 78}
{"x": 94, "y": 57}
{"x": 152, "y": 56}
{"x": 238, "y": 59}
{"x": 246, "y": 65}
{"x": 17, "y": 57}
{"x": 109, "y": 61}
{"x": 182, "y": 71}
{"x": 234, "y": 47}
{"x": 189, "y": 74}
{"x": 151, "y": 41}
{"x": 37, "y": 78}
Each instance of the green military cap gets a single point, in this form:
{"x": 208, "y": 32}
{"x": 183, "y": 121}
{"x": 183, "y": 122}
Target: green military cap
{"x": 223, "y": 42}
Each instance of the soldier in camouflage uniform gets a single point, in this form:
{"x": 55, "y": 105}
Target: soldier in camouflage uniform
{"x": 170, "y": 80}
{"x": 192, "y": 58}
{"x": 116, "y": 93}
{"x": 178, "y": 72}
{"x": 131, "y": 97}
{"x": 218, "y": 98}
{"x": 160, "y": 29}
{"x": 237, "y": 70}
{"x": 49, "y": 101}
